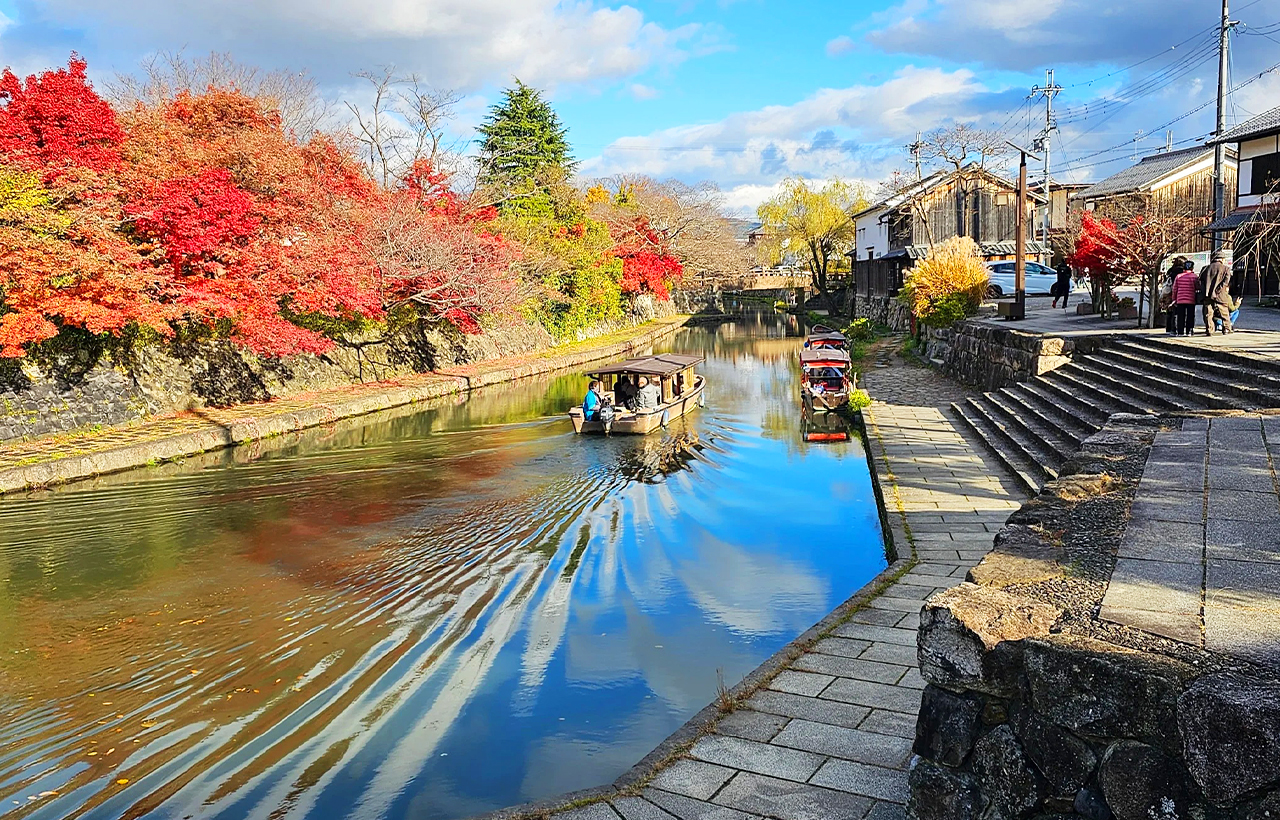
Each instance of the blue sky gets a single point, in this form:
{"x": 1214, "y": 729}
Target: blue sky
{"x": 740, "y": 92}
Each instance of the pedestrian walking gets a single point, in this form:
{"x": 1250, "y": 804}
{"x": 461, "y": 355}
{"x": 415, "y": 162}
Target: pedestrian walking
{"x": 1215, "y": 282}
{"x": 1062, "y": 287}
{"x": 1185, "y": 285}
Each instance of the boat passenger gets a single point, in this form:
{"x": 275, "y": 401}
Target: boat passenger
{"x": 591, "y": 403}
{"x": 626, "y": 392}
{"x": 650, "y": 395}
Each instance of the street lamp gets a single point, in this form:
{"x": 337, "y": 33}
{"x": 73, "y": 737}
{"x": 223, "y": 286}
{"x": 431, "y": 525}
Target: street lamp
{"x": 1019, "y": 308}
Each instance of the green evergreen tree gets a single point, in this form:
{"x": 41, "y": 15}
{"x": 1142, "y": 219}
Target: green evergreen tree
{"x": 522, "y": 141}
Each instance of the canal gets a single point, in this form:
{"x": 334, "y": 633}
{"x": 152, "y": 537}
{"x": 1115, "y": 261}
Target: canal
{"x": 425, "y": 613}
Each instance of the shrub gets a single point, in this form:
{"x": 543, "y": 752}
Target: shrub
{"x": 947, "y": 286}
{"x": 859, "y": 399}
{"x": 860, "y": 330}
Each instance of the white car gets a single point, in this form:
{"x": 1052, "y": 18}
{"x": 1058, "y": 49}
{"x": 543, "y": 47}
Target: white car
{"x": 1039, "y": 279}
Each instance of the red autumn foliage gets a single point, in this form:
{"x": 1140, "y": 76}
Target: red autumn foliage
{"x": 1095, "y": 246}
{"x": 647, "y": 264}
{"x": 55, "y": 120}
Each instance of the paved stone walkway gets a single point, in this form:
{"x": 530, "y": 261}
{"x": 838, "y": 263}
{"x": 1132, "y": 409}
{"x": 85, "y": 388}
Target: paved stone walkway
{"x": 829, "y": 737}
{"x": 1198, "y": 561}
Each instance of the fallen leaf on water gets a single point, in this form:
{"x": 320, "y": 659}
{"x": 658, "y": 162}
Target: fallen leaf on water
{"x": 48, "y": 794}
{"x": 147, "y": 724}
{"x": 122, "y": 781}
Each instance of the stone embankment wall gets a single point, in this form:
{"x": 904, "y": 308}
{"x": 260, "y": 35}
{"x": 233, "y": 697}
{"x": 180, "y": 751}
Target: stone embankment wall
{"x": 80, "y": 381}
{"x": 883, "y": 310}
{"x": 1034, "y": 708}
{"x": 990, "y": 357}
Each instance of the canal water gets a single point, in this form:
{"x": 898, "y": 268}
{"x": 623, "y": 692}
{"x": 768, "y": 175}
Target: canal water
{"x": 422, "y": 613}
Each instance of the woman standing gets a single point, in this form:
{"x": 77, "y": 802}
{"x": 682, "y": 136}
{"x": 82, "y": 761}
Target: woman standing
{"x": 1185, "y": 285}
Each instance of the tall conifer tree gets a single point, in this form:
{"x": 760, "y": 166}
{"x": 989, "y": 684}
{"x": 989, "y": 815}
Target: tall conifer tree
{"x": 522, "y": 140}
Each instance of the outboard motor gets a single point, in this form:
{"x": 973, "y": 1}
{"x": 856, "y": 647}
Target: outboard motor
{"x": 607, "y": 413}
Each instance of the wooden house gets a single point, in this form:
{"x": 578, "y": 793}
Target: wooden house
{"x": 891, "y": 234}
{"x": 1181, "y": 180}
{"x": 1252, "y": 229}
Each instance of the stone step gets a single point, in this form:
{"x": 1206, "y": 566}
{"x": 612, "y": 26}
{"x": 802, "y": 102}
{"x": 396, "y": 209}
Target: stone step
{"x": 1227, "y": 363}
{"x": 1071, "y": 399}
{"x": 1068, "y": 427}
{"x": 1014, "y": 437}
{"x": 1099, "y": 395}
{"x": 1025, "y": 471}
{"x": 1233, "y": 369}
{"x": 1189, "y": 383}
{"x": 1098, "y": 377}
{"x": 1032, "y": 427}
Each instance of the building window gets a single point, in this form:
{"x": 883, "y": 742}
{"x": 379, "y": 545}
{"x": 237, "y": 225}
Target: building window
{"x": 1266, "y": 174}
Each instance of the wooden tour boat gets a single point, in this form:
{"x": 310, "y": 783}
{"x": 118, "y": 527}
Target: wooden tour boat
{"x": 824, "y": 380}
{"x": 822, "y": 337}
{"x": 682, "y": 392}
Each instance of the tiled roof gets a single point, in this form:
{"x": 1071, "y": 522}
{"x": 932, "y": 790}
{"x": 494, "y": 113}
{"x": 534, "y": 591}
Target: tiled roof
{"x": 934, "y": 180}
{"x": 1261, "y": 125}
{"x": 1002, "y": 248}
{"x": 1151, "y": 169}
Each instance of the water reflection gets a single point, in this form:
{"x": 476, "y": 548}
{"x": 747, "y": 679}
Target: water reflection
{"x": 425, "y": 612}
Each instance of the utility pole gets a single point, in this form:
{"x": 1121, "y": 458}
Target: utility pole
{"x": 1018, "y": 308}
{"x": 1220, "y": 150}
{"x": 1049, "y": 90}
{"x": 915, "y": 148}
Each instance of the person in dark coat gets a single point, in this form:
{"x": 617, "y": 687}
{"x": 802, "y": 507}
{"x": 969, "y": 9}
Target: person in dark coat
{"x": 1062, "y": 287}
{"x": 1216, "y": 282}
{"x": 1166, "y": 292}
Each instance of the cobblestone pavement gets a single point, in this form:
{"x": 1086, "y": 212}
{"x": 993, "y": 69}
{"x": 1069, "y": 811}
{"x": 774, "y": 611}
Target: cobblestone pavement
{"x": 829, "y": 737}
{"x": 1197, "y": 562}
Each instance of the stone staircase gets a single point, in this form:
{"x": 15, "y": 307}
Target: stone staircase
{"x": 1034, "y": 426}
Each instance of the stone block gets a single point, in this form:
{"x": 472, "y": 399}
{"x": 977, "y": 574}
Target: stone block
{"x": 948, "y": 726}
{"x": 883, "y": 634}
{"x": 1175, "y": 541}
{"x": 795, "y": 706}
{"x": 938, "y": 793}
{"x": 859, "y": 778}
{"x": 1156, "y": 586}
{"x": 637, "y": 808}
{"x": 750, "y": 724}
{"x": 1242, "y": 540}
{"x": 1247, "y": 584}
{"x": 761, "y": 758}
{"x": 783, "y": 799}
{"x": 594, "y": 811}
{"x": 1242, "y": 633}
{"x": 1010, "y": 787}
{"x": 1244, "y": 506}
{"x": 1065, "y": 761}
{"x": 692, "y": 778}
{"x": 971, "y": 637}
{"x": 889, "y": 722}
{"x": 800, "y": 683}
{"x": 891, "y": 653}
{"x": 839, "y": 741}
{"x": 1141, "y": 782}
{"x": 686, "y": 808}
{"x": 867, "y": 693}
{"x": 1097, "y": 689}
{"x": 1230, "y": 726}
{"x": 849, "y": 667}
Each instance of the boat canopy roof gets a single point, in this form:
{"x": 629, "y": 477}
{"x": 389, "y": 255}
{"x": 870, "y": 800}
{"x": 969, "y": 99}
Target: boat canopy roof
{"x": 824, "y": 358}
{"x": 663, "y": 365}
{"x": 827, "y": 335}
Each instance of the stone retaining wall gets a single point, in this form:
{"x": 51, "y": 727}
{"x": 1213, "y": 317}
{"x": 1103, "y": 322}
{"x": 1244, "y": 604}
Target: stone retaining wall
{"x": 989, "y": 357}
{"x": 166, "y": 439}
{"x": 1034, "y": 708}
{"x": 883, "y": 310}
{"x": 79, "y": 381}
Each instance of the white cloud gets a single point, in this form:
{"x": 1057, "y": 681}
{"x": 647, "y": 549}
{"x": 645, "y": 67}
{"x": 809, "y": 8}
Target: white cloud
{"x": 840, "y": 45}
{"x": 643, "y": 92}
{"x": 846, "y": 132}
{"x": 463, "y": 44}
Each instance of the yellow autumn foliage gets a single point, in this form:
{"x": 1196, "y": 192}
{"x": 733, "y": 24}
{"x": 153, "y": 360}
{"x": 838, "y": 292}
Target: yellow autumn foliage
{"x": 949, "y": 285}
